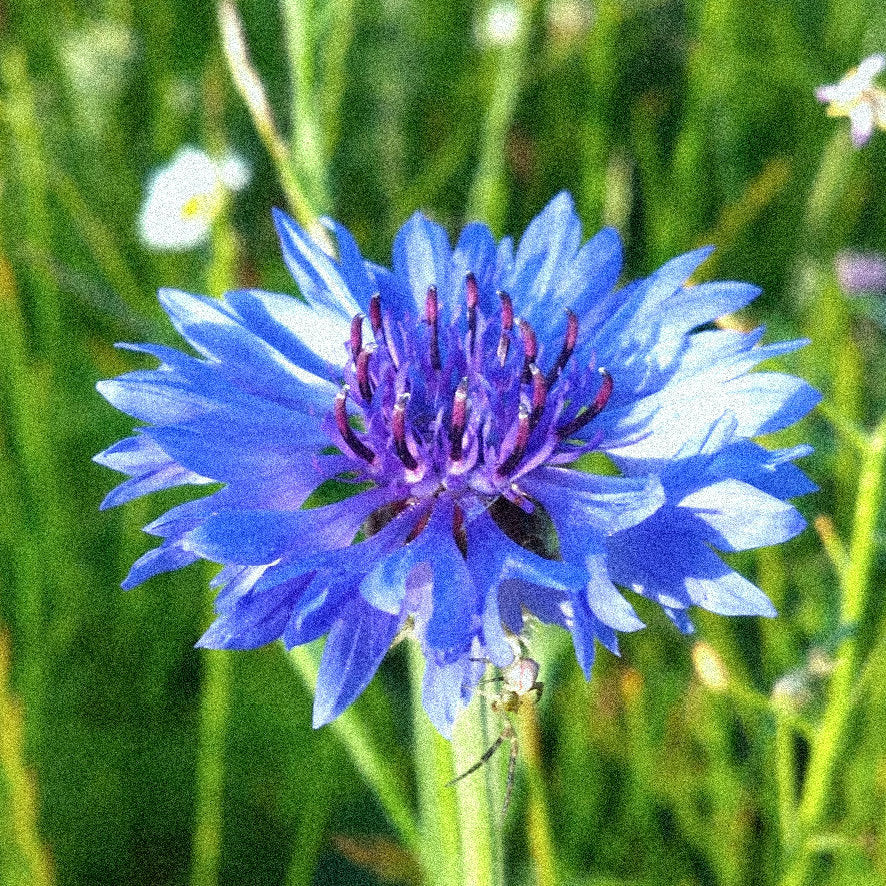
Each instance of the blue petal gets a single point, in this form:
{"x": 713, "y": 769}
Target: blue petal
{"x": 259, "y": 537}
{"x": 476, "y": 252}
{"x": 447, "y": 690}
{"x": 248, "y": 360}
{"x": 316, "y": 274}
{"x": 253, "y": 619}
{"x": 666, "y": 559}
{"x": 608, "y": 504}
{"x": 548, "y": 245}
{"x": 585, "y": 287}
{"x": 166, "y": 558}
{"x": 311, "y": 337}
{"x": 421, "y": 256}
{"x": 354, "y": 649}
{"x": 352, "y": 265}
{"x": 232, "y": 451}
{"x": 742, "y": 517}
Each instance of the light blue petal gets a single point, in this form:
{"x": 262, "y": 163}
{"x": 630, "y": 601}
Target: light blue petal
{"x": 421, "y": 257}
{"x": 316, "y": 274}
{"x": 354, "y": 649}
{"x": 742, "y": 517}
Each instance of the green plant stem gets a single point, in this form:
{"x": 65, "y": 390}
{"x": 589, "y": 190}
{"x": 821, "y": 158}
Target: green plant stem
{"x": 252, "y": 91}
{"x": 486, "y": 200}
{"x": 785, "y": 780}
{"x": 826, "y": 749}
{"x": 215, "y": 693}
{"x": 440, "y": 848}
{"x": 478, "y": 798}
{"x": 538, "y": 821}
{"x": 214, "y": 706}
{"x": 18, "y": 817}
{"x": 350, "y": 730}
{"x": 306, "y": 145}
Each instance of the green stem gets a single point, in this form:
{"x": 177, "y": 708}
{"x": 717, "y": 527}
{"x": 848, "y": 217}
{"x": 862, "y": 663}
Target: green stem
{"x": 785, "y": 780}
{"x": 214, "y": 705}
{"x": 478, "y": 799}
{"x": 18, "y": 818}
{"x": 440, "y": 849}
{"x": 487, "y": 196}
{"x": 252, "y": 90}
{"x": 826, "y": 749}
{"x": 306, "y": 145}
{"x": 351, "y": 731}
{"x": 538, "y": 821}
{"x": 215, "y": 694}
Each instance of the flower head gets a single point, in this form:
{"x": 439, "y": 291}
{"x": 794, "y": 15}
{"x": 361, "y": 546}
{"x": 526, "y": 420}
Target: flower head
{"x": 185, "y": 197}
{"x": 453, "y": 394}
{"x": 857, "y": 98}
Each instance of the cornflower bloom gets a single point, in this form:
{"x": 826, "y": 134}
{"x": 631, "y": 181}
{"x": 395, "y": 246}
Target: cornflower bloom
{"x": 857, "y": 98}
{"x": 451, "y": 396}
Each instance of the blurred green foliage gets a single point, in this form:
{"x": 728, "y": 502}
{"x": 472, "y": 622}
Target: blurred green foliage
{"x": 681, "y": 123}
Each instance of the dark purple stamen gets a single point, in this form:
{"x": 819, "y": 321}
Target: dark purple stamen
{"x": 363, "y": 380}
{"x": 567, "y": 349}
{"x": 375, "y": 314}
{"x": 530, "y": 348}
{"x": 507, "y": 324}
{"x": 520, "y": 442}
{"x": 586, "y": 414}
{"x": 459, "y": 420}
{"x": 398, "y": 431}
{"x": 431, "y": 317}
{"x": 539, "y": 394}
{"x": 357, "y": 446}
{"x": 472, "y": 296}
{"x": 356, "y": 336}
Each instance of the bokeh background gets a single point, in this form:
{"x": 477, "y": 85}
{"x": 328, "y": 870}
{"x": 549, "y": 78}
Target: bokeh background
{"x": 127, "y": 756}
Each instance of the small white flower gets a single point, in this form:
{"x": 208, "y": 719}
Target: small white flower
{"x": 185, "y": 197}
{"x": 501, "y": 25}
{"x": 857, "y": 98}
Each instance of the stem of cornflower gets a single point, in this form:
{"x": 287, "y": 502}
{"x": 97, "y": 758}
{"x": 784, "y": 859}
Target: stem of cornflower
{"x": 440, "y": 847}
{"x": 854, "y": 585}
{"x": 215, "y": 691}
{"x": 479, "y": 797}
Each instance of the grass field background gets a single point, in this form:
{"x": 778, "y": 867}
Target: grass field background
{"x": 126, "y": 755}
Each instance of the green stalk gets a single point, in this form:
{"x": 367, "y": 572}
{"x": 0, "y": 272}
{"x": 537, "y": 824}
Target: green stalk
{"x": 854, "y": 586}
{"x": 306, "y": 145}
{"x": 486, "y": 200}
{"x": 29, "y": 862}
{"x": 212, "y": 732}
{"x": 785, "y": 769}
{"x": 478, "y": 798}
{"x": 252, "y": 90}
{"x": 351, "y": 731}
{"x": 338, "y": 42}
{"x": 440, "y": 847}
{"x": 538, "y": 821}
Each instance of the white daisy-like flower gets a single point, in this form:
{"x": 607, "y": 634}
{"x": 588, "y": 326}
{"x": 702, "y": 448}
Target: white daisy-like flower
{"x": 185, "y": 197}
{"x": 858, "y": 98}
{"x": 500, "y": 26}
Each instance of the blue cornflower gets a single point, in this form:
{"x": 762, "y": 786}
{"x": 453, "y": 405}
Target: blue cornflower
{"x": 454, "y": 393}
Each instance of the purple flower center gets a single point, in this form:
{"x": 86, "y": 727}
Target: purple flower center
{"x": 464, "y": 409}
